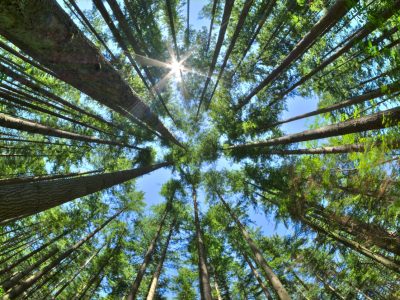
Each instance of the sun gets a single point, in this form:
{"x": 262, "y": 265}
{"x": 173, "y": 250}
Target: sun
{"x": 176, "y": 67}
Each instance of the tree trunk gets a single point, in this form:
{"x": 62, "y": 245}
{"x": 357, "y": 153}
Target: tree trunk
{"x": 148, "y": 256}
{"x": 392, "y": 88}
{"x": 238, "y": 29}
{"x": 213, "y": 10}
{"x": 157, "y": 273}
{"x": 221, "y": 35}
{"x": 378, "y": 120}
{"x": 31, "y": 198}
{"x": 18, "y": 180}
{"x": 204, "y": 277}
{"x": 33, "y": 127}
{"x": 72, "y": 57}
{"x": 22, "y": 286}
{"x": 29, "y": 255}
{"x": 369, "y": 233}
{"x": 353, "y": 245}
{"x": 361, "y": 34}
{"x": 349, "y": 148}
{"x": 330, "y": 288}
{"x": 333, "y": 15}
{"x": 257, "y": 276}
{"x": 261, "y": 262}
{"x": 86, "y": 263}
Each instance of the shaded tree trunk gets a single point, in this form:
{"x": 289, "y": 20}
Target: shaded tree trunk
{"x": 333, "y": 15}
{"x": 148, "y": 255}
{"x": 157, "y": 273}
{"x": 221, "y": 35}
{"x": 257, "y": 276}
{"x": 33, "y": 127}
{"x": 30, "y": 198}
{"x": 24, "y": 285}
{"x": 77, "y": 62}
{"x": 204, "y": 277}
{"x": 259, "y": 258}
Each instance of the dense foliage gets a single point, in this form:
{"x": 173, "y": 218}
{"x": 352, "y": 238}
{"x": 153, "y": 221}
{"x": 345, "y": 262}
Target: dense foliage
{"x": 95, "y": 94}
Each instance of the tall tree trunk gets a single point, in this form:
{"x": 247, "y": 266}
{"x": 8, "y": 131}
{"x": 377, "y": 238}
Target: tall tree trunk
{"x": 238, "y": 29}
{"x": 83, "y": 266}
{"x": 353, "y": 245}
{"x": 148, "y": 255}
{"x": 22, "y": 286}
{"x": 392, "y": 88}
{"x": 204, "y": 277}
{"x": 213, "y": 10}
{"x": 34, "y": 127}
{"x": 221, "y": 35}
{"x": 157, "y": 273}
{"x": 30, "y": 198}
{"x": 77, "y": 62}
{"x": 330, "y": 288}
{"x": 259, "y": 258}
{"x": 333, "y": 15}
{"x": 29, "y": 255}
{"x": 17, "y": 180}
{"x": 257, "y": 276}
{"x": 378, "y": 120}
{"x": 349, "y": 148}
{"x": 361, "y": 34}
{"x": 369, "y": 233}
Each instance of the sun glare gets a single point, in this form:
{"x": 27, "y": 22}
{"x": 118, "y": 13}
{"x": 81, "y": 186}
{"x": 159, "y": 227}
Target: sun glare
{"x": 176, "y": 67}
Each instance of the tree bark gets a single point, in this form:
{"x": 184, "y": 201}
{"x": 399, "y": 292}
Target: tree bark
{"x": 157, "y": 273}
{"x": 204, "y": 277}
{"x": 30, "y": 198}
{"x": 334, "y": 14}
{"x": 17, "y": 180}
{"x": 148, "y": 256}
{"x": 375, "y": 121}
{"x": 259, "y": 258}
{"x": 58, "y": 44}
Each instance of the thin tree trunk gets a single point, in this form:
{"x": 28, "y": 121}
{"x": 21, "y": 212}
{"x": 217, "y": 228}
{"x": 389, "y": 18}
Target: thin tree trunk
{"x": 353, "y": 245}
{"x": 238, "y": 29}
{"x": 369, "y": 233}
{"x": 157, "y": 273}
{"x": 14, "y": 100}
{"x": 362, "y": 33}
{"x": 349, "y": 148}
{"x": 221, "y": 35}
{"x": 33, "y": 127}
{"x": 213, "y": 10}
{"x": 257, "y": 276}
{"x": 392, "y": 88}
{"x": 30, "y": 198}
{"x": 29, "y": 255}
{"x": 77, "y": 62}
{"x": 259, "y": 258}
{"x": 375, "y": 121}
{"x": 86, "y": 263}
{"x": 148, "y": 256}
{"x": 330, "y": 288}
{"x": 22, "y": 286}
{"x": 333, "y": 15}
{"x": 204, "y": 277}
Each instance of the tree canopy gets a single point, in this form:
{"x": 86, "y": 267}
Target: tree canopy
{"x": 278, "y": 122}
